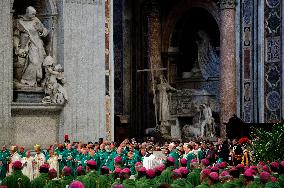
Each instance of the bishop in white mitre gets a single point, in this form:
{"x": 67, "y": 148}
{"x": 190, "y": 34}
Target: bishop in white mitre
{"x": 14, "y": 157}
{"x": 53, "y": 160}
{"x": 39, "y": 159}
{"x": 27, "y": 162}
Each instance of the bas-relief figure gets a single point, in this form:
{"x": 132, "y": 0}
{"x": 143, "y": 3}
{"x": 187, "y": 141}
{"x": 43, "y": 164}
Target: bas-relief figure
{"x": 33, "y": 68}
{"x": 29, "y": 48}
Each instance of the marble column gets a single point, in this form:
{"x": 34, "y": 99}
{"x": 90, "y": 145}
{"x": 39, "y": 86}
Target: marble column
{"x": 154, "y": 34}
{"x": 82, "y": 48}
{"x": 228, "y": 94}
{"x": 6, "y": 65}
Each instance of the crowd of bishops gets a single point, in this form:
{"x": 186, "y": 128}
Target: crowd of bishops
{"x": 141, "y": 164}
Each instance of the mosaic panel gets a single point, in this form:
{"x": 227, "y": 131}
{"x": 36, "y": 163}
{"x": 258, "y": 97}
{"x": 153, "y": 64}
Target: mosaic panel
{"x": 272, "y": 64}
{"x": 246, "y": 61}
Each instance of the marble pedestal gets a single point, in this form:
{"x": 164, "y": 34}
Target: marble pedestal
{"x": 35, "y": 123}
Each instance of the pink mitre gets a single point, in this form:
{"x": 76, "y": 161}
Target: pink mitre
{"x": 142, "y": 169}
{"x": 248, "y": 173}
{"x": 67, "y": 170}
{"x": 150, "y": 173}
{"x": 105, "y": 168}
{"x": 206, "y": 172}
{"x": 274, "y": 164}
{"x": 193, "y": 161}
{"x": 91, "y": 162}
{"x": 264, "y": 176}
{"x": 117, "y": 170}
{"x": 79, "y": 169}
{"x": 224, "y": 174}
{"x": 171, "y": 159}
{"x": 183, "y": 170}
{"x": 160, "y": 168}
{"x": 17, "y": 165}
{"x": 125, "y": 170}
{"x": 44, "y": 166}
{"x": 183, "y": 161}
{"x": 265, "y": 168}
{"x": 214, "y": 176}
{"x": 205, "y": 162}
{"x": 240, "y": 166}
{"x": 138, "y": 164}
{"x": 261, "y": 163}
{"x": 118, "y": 159}
{"x": 76, "y": 184}
{"x": 177, "y": 172}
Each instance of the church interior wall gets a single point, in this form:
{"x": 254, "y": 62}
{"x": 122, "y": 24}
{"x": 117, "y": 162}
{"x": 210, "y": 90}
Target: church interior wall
{"x": 261, "y": 62}
{"x": 78, "y": 44}
{"x": 35, "y": 127}
{"x": 250, "y": 28}
{"x": 6, "y": 87}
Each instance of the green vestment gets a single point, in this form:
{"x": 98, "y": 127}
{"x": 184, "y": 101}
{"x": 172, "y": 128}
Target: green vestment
{"x": 91, "y": 180}
{"x": 40, "y": 181}
{"x": 17, "y": 180}
{"x": 181, "y": 183}
{"x": 66, "y": 180}
{"x": 194, "y": 177}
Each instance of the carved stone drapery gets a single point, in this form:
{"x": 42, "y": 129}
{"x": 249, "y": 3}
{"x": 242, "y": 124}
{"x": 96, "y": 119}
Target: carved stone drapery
{"x": 228, "y": 94}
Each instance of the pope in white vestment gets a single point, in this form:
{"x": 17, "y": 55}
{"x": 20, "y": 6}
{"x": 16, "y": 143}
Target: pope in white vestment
{"x": 39, "y": 159}
{"x": 28, "y": 165}
{"x": 151, "y": 161}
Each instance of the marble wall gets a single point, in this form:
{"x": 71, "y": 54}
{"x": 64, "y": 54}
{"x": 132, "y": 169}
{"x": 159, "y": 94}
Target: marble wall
{"x": 5, "y": 71}
{"x": 83, "y": 30}
{"x": 82, "y": 26}
{"x": 37, "y": 124}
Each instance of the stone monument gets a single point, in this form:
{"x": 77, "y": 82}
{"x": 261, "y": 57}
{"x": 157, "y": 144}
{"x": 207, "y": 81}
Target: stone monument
{"x": 164, "y": 112}
{"x": 193, "y": 104}
{"x": 29, "y": 49}
{"x": 36, "y": 43}
{"x": 53, "y": 82}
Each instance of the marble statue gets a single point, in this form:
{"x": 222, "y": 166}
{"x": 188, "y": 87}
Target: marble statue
{"x": 53, "y": 82}
{"x": 206, "y": 121}
{"x": 202, "y": 124}
{"x": 164, "y": 110}
{"x": 208, "y": 59}
{"x": 193, "y": 130}
{"x": 29, "y": 48}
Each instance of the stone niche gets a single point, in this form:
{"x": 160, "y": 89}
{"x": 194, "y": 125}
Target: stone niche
{"x": 77, "y": 43}
{"x": 34, "y": 122}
